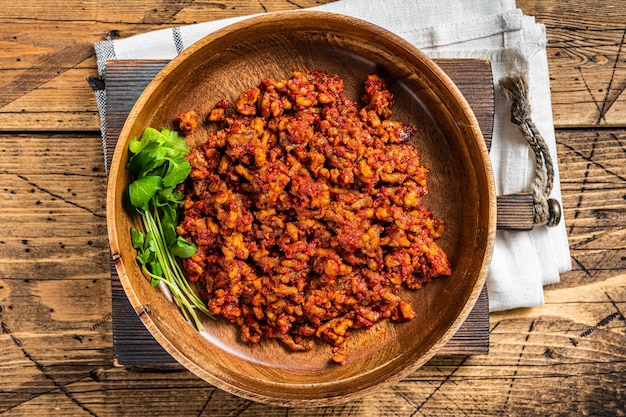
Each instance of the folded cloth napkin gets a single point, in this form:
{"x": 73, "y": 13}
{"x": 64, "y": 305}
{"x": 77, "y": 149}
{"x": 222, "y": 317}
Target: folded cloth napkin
{"x": 523, "y": 262}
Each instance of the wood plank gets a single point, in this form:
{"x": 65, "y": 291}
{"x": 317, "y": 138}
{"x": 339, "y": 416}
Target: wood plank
{"x": 574, "y": 345}
{"x": 585, "y": 43}
{"x": 40, "y": 42}
{"x": 146, "y": 12}
{"x": 593, "y": 183}
{"x": 133, "y": 344}
{"x": 513, "y": 212}
{"x": 585, "y": 58}
{"x": 63, "y": 103}
{"x": 54, "y": 291}
{"x": 565, "y": 358}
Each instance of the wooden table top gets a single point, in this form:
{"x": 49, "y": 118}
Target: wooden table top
{"x": 567, "y": 357}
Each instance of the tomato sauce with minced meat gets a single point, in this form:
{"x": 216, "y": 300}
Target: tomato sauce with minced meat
{"x": 307, "y": 212}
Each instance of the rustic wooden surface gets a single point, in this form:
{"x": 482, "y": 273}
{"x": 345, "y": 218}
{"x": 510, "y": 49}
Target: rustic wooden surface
{"x": 56, "y": 355}
{"x": 133, "y": 345}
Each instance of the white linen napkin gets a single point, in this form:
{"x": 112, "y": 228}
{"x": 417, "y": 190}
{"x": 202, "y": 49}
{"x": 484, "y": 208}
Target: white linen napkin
{"x": 523, "y": 261}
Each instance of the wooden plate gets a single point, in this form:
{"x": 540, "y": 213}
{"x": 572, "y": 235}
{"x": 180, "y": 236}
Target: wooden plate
{"x": 461, "y": 192}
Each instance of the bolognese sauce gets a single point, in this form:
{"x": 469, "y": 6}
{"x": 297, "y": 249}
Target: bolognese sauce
{"x": 307, "y": 210}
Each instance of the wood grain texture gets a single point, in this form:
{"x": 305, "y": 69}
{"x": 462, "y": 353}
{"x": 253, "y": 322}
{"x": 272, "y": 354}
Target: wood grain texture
{"x": 565, "y": 358}
{"x": 515, "y": 211}
{"x": 585, "y": 43}
{"x": 61, "y": 363}
{"x": 450, "y": 145}
{"x": 125, "y": 80}
{"x": 586, "y": 50}
{"x": 594, "y": 199}
{"x": 47, "y": 51}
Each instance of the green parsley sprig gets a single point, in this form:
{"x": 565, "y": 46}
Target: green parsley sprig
{"x": 158, "y": 165}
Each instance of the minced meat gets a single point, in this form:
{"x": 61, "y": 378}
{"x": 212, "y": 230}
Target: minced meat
{"x": 307, "y": 212}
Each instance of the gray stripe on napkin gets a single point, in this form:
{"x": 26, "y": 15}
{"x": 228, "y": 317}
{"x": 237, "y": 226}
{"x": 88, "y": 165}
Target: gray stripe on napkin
{"x": 105, "y": 51}
{"x": 178, "y": 40}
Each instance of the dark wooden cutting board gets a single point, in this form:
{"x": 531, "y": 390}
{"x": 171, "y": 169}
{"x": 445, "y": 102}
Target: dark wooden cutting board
{"x": 133, "y": 345}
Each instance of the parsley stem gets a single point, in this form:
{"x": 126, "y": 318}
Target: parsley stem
{"x": 179, "y": 277}
{"x": 170, "y": 267}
